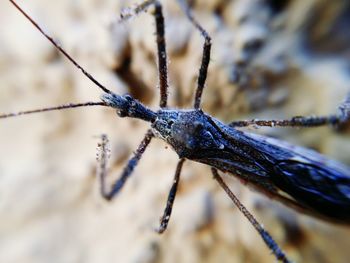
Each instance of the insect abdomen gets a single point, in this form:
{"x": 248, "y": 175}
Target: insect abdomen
{"x": 318, "y": 185}
{"x": 321, "y": 189}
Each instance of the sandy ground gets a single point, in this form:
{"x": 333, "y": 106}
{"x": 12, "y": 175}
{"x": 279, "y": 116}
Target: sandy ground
{"x": 267, "y": 62}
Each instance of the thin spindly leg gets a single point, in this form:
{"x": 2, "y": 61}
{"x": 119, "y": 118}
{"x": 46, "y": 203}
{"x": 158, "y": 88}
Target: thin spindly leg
{"x": 340, "y": 119}
{"x": 102, "y": 171}
{"x": 164, "y": 220}
{"x": 102, "y": 157}
{"x": 272, "y": 245}
{"x": 161, "y": 45}
{"x": 162, "y": 56}
{"x": 311, "y": 121}
{"x": 131, "y": 12}
{"x": 205, "y": 56}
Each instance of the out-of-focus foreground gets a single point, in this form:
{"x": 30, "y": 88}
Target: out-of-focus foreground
{"x": 270, "y": 59}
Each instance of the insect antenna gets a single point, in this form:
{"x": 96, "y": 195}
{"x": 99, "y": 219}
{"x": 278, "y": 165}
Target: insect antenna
{"x": 203, "y": 70}
{"x": 125, "y": 104}
{"x": 75, "y": 63}
{"x": 271, "y": 244}
{"x": 129, "y": 107}
{"x": 60, "y": 107}
{"x": 60, "y": 49}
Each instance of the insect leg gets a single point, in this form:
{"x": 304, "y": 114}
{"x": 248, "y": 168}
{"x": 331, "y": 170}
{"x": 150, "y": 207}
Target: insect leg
{"x": 161, "y": 44}
{"x": 312, "y": 121}
{"x": 171, "y": 197}
{"x": 272, "y": 245}
{"x": 130, "y": 12}
{"x": 102, "y": 157}
{"x": 205, "y": 56}
{"x": 102, "y": 171}
{"x": 340, "y": 119}
{"x": 162, "y": 55}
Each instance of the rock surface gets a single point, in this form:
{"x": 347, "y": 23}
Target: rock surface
{"x": 269, "y": 60}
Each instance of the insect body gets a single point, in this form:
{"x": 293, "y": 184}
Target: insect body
{"x": 296, "y": 176}
{"x": 299, "y": 177}
{"x": 313, "y": 182}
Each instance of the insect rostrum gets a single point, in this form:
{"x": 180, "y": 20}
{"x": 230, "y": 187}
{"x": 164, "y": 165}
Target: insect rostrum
{"x": 300, "y": 178}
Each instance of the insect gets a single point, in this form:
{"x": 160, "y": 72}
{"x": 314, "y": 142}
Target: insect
{"x": 268, "y": 163}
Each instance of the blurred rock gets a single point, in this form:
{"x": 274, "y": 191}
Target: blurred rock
{"x": 270, "y": 59}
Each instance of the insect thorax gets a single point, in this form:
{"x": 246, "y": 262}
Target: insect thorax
{"x": 187, "y": 131}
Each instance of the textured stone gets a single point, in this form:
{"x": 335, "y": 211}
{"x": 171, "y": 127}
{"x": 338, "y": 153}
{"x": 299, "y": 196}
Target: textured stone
{"x": 266, "y": 63}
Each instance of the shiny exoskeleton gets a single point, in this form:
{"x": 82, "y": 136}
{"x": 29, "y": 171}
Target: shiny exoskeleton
{"x": 299, "y": 177}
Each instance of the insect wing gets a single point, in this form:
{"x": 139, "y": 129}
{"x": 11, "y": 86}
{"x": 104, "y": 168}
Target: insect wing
{"x": 320, "y": 184}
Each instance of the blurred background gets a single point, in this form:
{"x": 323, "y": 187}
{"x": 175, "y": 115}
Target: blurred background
{"x": 270, "y": 59}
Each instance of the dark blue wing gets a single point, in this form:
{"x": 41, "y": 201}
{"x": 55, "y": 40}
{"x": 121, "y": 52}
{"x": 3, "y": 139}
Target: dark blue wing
{"x": 320, "y": 188}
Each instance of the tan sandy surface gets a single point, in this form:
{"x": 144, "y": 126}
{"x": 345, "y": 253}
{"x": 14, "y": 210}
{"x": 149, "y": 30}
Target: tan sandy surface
{"x": 50, "y": 208}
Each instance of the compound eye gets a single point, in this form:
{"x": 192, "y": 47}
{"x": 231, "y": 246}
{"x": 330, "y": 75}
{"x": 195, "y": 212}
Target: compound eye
{"x": 198, "y": 126}
{"x": 170, "y": 123}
